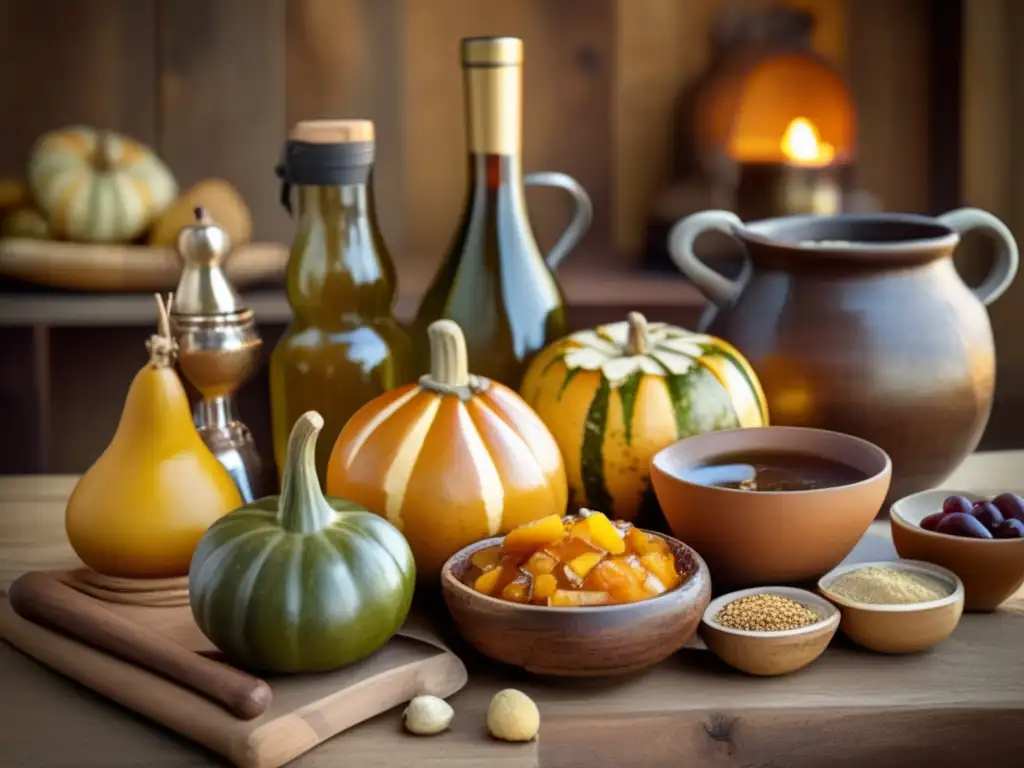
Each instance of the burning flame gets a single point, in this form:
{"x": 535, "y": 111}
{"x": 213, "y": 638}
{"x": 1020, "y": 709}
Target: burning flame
{"x": 802, "y": 146}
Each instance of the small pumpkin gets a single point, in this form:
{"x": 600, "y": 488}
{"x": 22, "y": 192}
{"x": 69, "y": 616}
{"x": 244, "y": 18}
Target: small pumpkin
{"x": 616, "y": 395}
{"x": 451, "y": 460}
{"x": 301, "y": 582}
{"x": 98, "y": 186}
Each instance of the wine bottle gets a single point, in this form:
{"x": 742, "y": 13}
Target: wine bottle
{"x": 343, "y": 346}
{"x": 494, "y": 282}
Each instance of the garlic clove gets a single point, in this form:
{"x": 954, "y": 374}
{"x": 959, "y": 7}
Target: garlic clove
{"x": 512, "y": 716}
{"x": 427, "y": 715}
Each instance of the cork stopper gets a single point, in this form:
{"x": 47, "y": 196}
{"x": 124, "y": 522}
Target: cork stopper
{"x": 492, "y": 51}
{"x": 331, "y": 131}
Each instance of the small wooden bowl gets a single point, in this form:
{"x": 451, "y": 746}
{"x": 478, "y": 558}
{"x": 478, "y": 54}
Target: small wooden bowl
{"x": 770, "y": 653}
{"x": 585, "y": 641}
{"x": 992, "y": 570}
{"x": 899, "y": 628}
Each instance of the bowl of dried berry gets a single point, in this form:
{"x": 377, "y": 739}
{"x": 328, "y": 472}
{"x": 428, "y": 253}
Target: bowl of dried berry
{"x": 578, "y": 596}
{"x": 769, "y": 631}
{"x": 979, "y": 539}
{"x": 899, "y": 606}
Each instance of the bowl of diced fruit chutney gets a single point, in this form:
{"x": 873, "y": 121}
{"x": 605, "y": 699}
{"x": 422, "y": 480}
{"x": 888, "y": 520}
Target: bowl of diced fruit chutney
{"x": 577, "y": 596}
{"x": 771, "y": 505}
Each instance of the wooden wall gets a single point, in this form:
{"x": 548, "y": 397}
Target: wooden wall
{"x": 993, "y": 173}
{"x": 213, "y": 84}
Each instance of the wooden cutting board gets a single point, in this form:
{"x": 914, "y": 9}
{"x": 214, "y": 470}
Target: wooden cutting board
{"x": 307, "y": 709}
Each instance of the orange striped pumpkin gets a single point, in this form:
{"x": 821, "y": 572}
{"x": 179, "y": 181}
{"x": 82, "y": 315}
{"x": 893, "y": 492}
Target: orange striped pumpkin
{"x": 98, "y": 186}
{"x": 451, "y": 460}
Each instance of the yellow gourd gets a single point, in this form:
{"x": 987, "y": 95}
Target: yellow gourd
{"x": 221, "y": 201}
{"x": 26, "y": 222}
{"x": 142, "y": 507}
{"x": 14, "y": 194}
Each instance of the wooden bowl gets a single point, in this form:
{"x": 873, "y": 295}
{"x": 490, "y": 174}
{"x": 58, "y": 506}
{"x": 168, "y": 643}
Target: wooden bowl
{"x": 755, "y": 537}
{"x": 992, "y": 570}
{"x": 899, "y": 628}
{"x": 770, "y": 653}
{"x": 585, "y": 641}
{"x": 112, "y": 267}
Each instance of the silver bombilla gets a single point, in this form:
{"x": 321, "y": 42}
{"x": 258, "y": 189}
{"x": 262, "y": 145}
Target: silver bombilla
{"x": 218, "y": 349}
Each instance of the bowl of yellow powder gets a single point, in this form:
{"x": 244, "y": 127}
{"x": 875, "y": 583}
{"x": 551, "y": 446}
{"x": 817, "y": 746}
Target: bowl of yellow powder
{"x": 769, "y": 631}
{"x": 900, "y": 606}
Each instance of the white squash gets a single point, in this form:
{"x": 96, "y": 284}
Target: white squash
{"x": 98, "y": 186}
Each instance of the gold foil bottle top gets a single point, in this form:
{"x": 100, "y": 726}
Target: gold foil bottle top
{"x": 332, "y": 131}
{"x": 203, "y": 288}
{"x": 492, "y": 75}
{"x": 492, "y": 51}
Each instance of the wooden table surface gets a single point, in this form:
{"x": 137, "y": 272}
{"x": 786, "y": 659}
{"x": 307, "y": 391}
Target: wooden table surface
{"x": 960, "y": 705}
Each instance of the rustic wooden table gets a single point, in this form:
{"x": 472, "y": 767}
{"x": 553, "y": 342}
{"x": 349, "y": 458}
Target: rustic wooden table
{"x": 959, "y": 705}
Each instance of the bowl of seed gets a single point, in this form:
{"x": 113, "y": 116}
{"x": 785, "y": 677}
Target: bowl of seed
{"x": 769, "y": 631}
{"x": 900, "y": 606}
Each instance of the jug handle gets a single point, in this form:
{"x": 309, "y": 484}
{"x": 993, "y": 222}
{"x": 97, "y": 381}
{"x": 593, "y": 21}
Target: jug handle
{"x": 1004, "y": 268}
{"x": 581, "y": 217}
{"x": 718, "y": 289}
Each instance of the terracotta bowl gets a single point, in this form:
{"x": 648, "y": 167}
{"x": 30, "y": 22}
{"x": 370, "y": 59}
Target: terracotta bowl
{"x": 770, "y": 653}
{"x": 899, "y": 628}
{"x": 753, "y": 537}
{"x": 586, "y": 641}
{"x": 992, "y": 570}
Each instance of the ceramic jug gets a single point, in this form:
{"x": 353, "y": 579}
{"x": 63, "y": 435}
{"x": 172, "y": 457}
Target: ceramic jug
{"x": 859, "y": 323}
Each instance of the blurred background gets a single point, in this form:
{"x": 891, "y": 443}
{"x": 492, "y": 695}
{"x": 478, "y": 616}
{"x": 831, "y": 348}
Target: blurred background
{"x": 922, "y": 101}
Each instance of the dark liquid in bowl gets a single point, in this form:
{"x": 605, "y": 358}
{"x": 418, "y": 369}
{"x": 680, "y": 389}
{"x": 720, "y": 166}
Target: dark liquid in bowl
{"x": 773, "y": 471}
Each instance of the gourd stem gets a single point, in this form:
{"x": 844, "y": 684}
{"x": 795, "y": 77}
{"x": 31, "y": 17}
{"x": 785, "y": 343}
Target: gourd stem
{"x": 161, "y": 345}
{"x": 449, "y": 366}
{"x": 636, "y": 342}
{"x": 302, "y": 507}
{"x": 102, "y": 161}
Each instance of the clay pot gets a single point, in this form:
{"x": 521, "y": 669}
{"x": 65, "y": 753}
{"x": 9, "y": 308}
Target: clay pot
{"x": 859, "y": 323}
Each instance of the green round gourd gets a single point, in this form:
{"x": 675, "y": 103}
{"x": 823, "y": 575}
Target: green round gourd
{"x": 301, "y": 582}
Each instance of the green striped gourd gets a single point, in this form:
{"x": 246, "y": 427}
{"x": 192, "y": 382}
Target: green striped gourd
{"x": 616, "y": 395}
{"x": 301, "y": 582}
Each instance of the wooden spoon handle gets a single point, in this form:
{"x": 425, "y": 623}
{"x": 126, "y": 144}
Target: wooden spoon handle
{"x": 43, "y": 599}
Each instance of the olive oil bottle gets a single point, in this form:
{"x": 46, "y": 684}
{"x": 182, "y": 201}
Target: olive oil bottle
{"x": 494, "y": 282}
{"x": 343, "y": 346}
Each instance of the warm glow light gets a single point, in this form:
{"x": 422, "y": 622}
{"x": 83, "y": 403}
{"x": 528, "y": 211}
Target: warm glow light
{"x": 802, "y": 146}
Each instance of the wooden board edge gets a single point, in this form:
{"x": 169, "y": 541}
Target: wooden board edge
{"x": 283, "y": 739}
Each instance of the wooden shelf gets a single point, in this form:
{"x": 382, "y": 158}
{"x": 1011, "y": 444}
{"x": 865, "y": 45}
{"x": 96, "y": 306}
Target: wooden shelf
{"x": 600, "y": 281}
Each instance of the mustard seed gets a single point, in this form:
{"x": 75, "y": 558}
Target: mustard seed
{"x": 765, "y": 612}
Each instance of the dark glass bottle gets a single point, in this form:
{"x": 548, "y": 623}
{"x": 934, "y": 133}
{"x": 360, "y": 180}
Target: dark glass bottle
{"x": 343, "y": 346}
{"x": 494, "y": 282}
